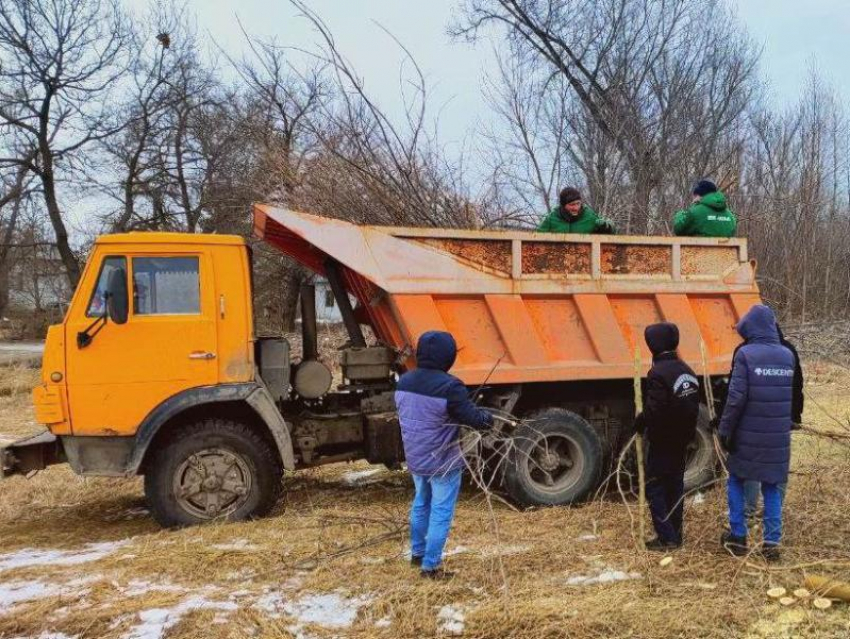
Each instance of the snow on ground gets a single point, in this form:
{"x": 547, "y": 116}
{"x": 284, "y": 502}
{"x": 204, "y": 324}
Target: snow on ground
{"x": 330, "y": 610}
{"x": 360, "y": 477}
{"x": 52, "y": 557}
{"x": 604, "y": 576}
{"x": 240, "y": 545}
{"x": 451, "y": 620}
{"x": 154, "y": 623}
{"x": 505, "y": 551}
{"x": 14, "y": 592}
{"x": 698, "y": 499}
{"x": 138, "y": 587}
{"x": 588, "y": 537}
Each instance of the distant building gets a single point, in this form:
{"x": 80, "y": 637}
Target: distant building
{"x": 37, "y": 282}
{"x": 326, "y": 309}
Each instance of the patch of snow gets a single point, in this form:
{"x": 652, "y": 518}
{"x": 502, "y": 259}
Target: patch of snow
{"x": 15, "y": 592}
{"x": 360, "y": 477}
{"x": 457, "y": 550}
{"x": 383, "y": 622}
{"x": 451, "y": 620}
{"x": 270, "y": 603}
{"x": 51, "y": 635}
{"x": 698, "y": 499}
{"x": 606, "y": 575}
{"x": 331, "y": 610}
{"x": 588, "y": 537}
{"x": 240, "y": 545}
{"x": 503, "y": 551}
{"x": 137, "y": 587}
{"x": 154, "y": 623}
{"x": 51, "y": 557}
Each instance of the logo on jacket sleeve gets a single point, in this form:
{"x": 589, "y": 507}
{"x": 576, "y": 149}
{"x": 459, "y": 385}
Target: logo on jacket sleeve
{"x": 685, "y": 385}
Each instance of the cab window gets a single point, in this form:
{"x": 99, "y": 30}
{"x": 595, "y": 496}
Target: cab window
{"x": 97, "y": 303}
{"x": 166, "y": 286}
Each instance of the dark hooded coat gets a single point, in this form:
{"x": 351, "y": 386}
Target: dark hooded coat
{"x": 756, "y": 418}
{"x": 671, "y": 402}
{"x": 431, "y": 405}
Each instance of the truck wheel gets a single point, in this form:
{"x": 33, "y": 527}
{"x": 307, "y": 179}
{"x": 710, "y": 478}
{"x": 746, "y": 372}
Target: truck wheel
{"x": 556, "y": 459}
{"x": 701, "y": 464}
{"x": 213, "y": 469}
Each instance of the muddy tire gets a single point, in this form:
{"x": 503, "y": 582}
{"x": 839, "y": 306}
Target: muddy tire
{"x": 701, "y": 465}
{"x": 212, "y": 470}
{"x": 556, "y": 459}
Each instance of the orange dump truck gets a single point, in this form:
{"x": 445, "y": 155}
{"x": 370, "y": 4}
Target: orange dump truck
{"x": 156, "y": 371}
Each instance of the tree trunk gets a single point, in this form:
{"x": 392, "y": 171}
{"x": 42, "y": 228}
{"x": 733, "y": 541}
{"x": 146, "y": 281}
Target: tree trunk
{"x": 69, "y": 260}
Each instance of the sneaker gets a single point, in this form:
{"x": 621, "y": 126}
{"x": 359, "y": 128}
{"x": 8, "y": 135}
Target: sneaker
{"x": 735, "y": 545}
{"x": 661, "y": 545}
{"x": 770, "y": 552}
{"x": 437, "y": 574}
{"x": 416, "y": 561}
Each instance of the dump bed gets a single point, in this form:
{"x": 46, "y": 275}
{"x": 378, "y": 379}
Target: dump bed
{"x": 547, "y": 307}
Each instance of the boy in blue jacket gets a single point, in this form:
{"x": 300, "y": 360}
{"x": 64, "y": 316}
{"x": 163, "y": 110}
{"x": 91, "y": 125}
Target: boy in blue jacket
{"x": 755, "y": 428}
{"x": 431, "y": 406}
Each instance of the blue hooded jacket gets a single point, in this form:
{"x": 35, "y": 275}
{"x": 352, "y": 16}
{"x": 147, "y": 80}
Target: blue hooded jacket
{"x": 757, "y": 415}
{"x": 431, "y": 405}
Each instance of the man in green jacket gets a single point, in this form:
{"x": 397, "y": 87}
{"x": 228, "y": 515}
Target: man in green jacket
{"x": 707, "y": 216}
{"x": 573, "y": 216}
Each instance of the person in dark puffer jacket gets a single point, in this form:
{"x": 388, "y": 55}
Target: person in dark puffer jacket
{"x": 669, "y": 418}
{"x": 431, "y": 406}
{"x": 755, "y": 428}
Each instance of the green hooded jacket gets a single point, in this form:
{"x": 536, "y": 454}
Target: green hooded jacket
{"x": 586, "y": 222}
{"x": 710, "y": 217}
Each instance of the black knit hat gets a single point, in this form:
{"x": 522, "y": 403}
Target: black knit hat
{"x": 568, "y": 195}
{"x": 704, "y": 187}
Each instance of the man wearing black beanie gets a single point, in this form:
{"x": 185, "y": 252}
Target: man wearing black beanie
{"x": 573, "y": 216}
{"x": 707, "y": 216}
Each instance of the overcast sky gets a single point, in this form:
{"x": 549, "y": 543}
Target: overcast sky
{"x": 795, "y": 34}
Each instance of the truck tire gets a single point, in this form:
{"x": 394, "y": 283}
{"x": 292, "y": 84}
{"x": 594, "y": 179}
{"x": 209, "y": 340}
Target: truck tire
{"x": 701, "y": 465}
{"x": 556, "y": 459}
{"x": 214, "y": 469}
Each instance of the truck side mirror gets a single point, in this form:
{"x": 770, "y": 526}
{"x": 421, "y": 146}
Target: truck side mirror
{"x": 117, "y": 302}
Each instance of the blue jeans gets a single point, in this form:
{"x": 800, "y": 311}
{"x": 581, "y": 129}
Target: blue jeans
{"x": 773, "y": 497}
{"x": 752, "y": 490}
{"x": 431, "y": 515}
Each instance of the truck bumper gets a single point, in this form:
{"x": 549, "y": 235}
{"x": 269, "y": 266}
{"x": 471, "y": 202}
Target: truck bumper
{"x": 36, "y": 452}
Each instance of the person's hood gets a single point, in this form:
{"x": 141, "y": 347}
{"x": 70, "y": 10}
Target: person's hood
{"x": 759, "y": 325}
{"x": 437, "y": 350}
{"x": 662, "y": 337}
{"x": 716, "y": 201}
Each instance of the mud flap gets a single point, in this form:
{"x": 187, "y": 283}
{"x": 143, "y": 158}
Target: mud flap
{"x": 31, "y": 453}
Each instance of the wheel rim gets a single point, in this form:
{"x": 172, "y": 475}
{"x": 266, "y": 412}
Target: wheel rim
{"x": 213, "y": 482}
{"x": 554, "y": 463}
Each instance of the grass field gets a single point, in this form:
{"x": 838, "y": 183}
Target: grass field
{"x": 81, "y": 558}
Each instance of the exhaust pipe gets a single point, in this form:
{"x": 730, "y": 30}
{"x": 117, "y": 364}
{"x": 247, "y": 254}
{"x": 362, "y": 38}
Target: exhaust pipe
{"x": 309, "y": 330}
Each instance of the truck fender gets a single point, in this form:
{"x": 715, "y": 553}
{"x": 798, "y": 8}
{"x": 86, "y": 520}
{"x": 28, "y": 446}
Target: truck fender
{"x": 254, "y": 395}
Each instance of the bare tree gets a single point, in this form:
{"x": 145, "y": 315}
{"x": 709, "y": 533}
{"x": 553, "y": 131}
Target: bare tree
{"x": 623, "y": 83}
{"x": 58, "y": 61}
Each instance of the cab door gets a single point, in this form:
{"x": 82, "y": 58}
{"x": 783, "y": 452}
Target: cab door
{"x": 167, "y": 345}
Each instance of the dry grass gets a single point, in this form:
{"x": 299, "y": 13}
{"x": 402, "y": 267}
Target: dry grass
{"x": 328, "y": 537}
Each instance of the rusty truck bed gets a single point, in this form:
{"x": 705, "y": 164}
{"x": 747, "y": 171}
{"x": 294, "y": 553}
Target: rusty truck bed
{"x": 553, "y": 307}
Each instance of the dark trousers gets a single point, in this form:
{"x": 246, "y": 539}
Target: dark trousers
{"x": 664, "y": 493}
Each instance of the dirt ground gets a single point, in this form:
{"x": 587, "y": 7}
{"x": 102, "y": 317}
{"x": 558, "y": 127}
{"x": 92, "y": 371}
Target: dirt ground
{"x": 82, "y": 558}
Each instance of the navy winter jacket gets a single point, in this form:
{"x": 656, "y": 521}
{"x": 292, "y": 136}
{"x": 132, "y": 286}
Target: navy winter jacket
{"x": 757, "y": 415}
{"x": 431, "y": 405}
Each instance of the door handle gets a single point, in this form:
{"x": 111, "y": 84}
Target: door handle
{"x": 201, "y": 355}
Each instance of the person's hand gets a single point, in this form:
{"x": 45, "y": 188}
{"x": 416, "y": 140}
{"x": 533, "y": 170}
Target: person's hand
{"x": 607, "y": 227}
{"x": 640, "y": 424}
